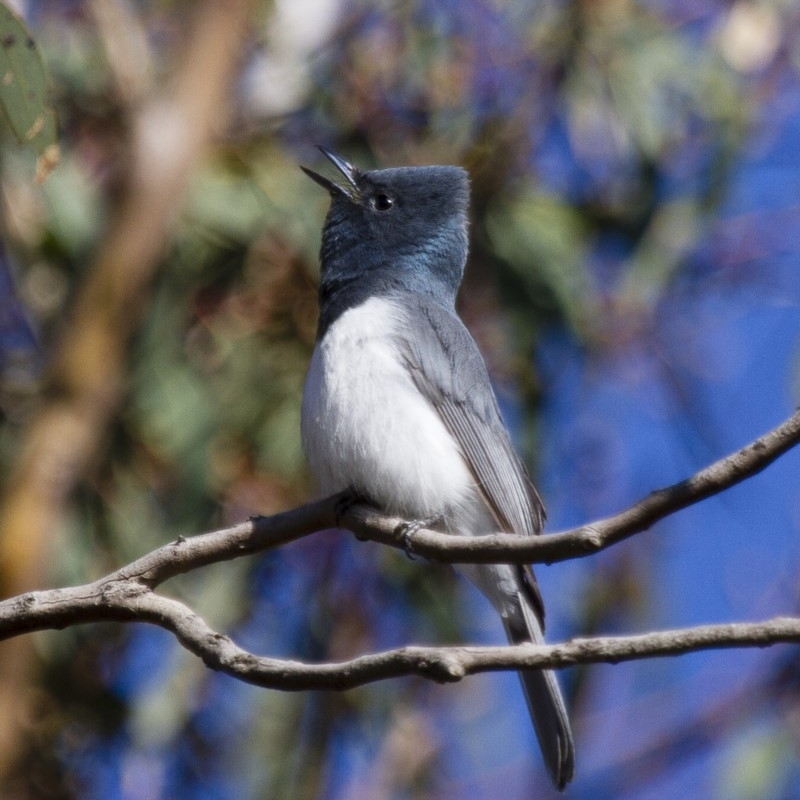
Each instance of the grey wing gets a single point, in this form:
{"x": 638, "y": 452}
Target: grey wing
{"x": 449, "y": 370}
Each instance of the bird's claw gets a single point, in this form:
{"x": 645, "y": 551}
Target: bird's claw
{"x": 406, "y": 530}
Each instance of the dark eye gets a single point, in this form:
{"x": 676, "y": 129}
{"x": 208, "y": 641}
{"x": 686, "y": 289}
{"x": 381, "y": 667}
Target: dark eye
{"x": 382, "y": 202}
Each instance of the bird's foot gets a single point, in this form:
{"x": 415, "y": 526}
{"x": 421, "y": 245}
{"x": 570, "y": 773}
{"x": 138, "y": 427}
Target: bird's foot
{"x": 342, "y": 507}
{"x": 406, "y": 531}
{"x": 344, "y": 504}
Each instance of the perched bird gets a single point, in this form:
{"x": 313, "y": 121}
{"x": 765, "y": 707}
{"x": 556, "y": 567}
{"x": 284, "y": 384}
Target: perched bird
{"x": 398, "y": 408}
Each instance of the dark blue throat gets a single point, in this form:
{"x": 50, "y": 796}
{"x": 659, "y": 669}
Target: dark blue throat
{"x": 355, "y": 270}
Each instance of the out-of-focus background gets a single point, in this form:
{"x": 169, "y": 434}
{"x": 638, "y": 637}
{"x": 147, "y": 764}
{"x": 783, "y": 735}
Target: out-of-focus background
{"x": 634, "y": 282}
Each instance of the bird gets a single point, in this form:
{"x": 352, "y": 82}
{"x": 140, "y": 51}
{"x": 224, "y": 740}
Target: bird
{"x": 398, "y": 409}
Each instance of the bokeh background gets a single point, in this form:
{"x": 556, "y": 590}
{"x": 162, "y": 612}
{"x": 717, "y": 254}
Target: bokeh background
{"x": 633, "y": 282}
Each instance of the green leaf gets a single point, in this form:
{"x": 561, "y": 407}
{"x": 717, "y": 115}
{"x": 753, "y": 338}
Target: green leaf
{"x": 23, "y": 92}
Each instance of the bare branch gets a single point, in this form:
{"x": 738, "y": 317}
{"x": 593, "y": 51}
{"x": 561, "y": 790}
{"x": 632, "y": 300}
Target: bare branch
{"x": 448, "y": 664}
{"x": 128, "y": 601}
{"x": 594, "y": 536}
{"x": 128, "y": 595}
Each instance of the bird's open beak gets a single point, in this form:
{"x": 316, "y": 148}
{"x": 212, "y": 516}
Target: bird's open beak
{"x": 349, "y": 172}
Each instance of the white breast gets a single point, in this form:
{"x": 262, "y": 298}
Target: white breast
{"x": 366, "y": 426}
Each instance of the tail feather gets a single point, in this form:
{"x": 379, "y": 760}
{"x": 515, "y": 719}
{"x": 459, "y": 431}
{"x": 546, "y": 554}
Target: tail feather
{"x": 512, "y": 590}
{"x": 544, "y": 700}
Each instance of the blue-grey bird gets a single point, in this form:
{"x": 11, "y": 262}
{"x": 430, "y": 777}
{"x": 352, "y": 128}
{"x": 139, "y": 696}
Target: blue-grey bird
{"x": 398, "y": 408}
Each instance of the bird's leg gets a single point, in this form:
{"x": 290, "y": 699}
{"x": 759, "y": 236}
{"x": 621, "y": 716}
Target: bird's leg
{"x": 348, "y": 499}
{"x": 406, "y": 531}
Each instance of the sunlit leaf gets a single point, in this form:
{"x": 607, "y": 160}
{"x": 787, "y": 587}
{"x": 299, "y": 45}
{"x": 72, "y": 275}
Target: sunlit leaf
{"x": 544, "y": 240}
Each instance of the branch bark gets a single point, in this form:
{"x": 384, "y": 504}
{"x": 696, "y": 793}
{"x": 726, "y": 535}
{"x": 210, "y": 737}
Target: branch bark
{"x": 128, "y": 595}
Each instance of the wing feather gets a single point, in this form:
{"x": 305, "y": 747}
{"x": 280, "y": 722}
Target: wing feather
{"x": 448, "y": 369}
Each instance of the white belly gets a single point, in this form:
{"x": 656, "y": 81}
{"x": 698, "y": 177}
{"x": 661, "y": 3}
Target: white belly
{"x": 366, "y": 427}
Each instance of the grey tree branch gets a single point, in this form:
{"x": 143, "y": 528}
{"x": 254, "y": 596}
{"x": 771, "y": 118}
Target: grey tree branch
{"x": 125, "y": 600}
{"x": 128, "y": 594}
{"x": 594, "y": 536}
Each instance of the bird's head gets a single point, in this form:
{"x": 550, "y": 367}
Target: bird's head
{"x": 406, "y": 226}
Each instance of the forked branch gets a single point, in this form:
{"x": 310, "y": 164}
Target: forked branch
{"x": 128, "y": 595}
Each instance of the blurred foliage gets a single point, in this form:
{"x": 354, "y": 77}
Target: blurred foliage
{"x": 600, "y": 137}
{"x": 23, "y": 92}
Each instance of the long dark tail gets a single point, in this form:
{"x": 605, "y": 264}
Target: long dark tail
{"x": 543, "y": 696}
